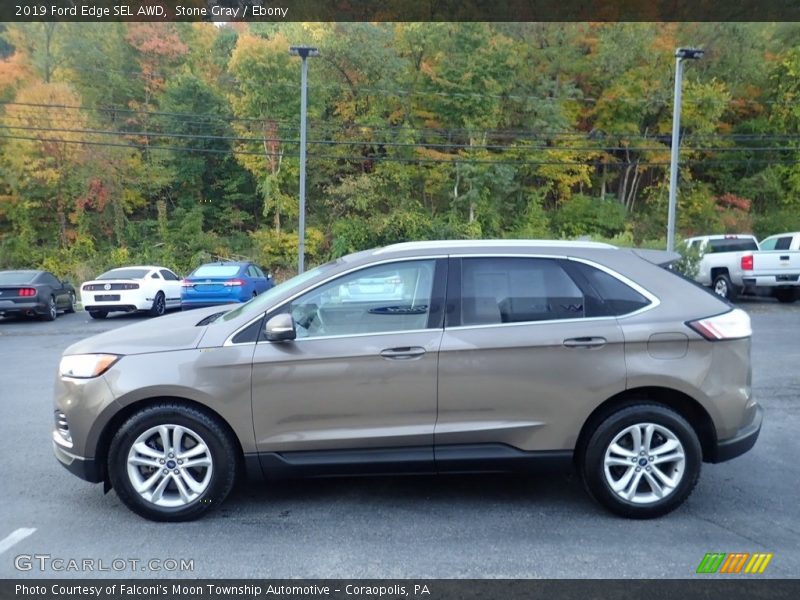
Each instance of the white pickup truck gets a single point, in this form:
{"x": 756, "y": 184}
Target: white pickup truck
{"x": 736, "y": 264}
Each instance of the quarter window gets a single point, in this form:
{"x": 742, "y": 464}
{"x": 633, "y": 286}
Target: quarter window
{"x": 610, "y": 297}
{"x": 383, "y": 298}
{"x": 514, "y": 290}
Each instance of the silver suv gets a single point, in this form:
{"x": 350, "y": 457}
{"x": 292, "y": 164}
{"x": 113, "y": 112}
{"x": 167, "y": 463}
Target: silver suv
{"x": 486, "y": 356}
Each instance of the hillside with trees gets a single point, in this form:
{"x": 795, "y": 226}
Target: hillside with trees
{"x": 172, "y": 143}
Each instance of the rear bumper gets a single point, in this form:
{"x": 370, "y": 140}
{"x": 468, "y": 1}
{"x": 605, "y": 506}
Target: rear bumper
{"x": 741, "y": 442}
{"x": 129, "y": 300}
{"x": 783, "y": 280}
{"x": 111, "y": 308}
{"x": 85, "y": 468}
{"x": 9, "y": 307}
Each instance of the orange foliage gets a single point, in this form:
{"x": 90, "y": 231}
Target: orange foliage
{"x": 159, "y": 45}
{"x": 12, "y": 71}
{"x": 732, "y": 201}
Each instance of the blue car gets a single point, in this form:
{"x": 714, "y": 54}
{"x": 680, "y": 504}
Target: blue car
{"x": 223, "y": 283}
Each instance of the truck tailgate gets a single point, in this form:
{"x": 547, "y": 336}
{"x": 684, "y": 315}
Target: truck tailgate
{"x": 784, "y": 265}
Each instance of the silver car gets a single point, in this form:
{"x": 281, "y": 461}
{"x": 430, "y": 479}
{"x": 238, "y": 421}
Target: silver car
{"x": 486, "y": 356}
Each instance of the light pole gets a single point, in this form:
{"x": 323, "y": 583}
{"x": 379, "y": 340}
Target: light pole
{"x": 303, "y": 52}
{"x": 681, "y": 54}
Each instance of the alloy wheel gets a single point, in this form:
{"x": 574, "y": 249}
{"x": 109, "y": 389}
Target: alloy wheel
{"x": 170, "y": 466}
{"x": 644, "y": 463}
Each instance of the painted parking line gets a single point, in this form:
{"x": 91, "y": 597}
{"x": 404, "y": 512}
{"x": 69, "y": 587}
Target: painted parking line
{"x": 15, "y": 536}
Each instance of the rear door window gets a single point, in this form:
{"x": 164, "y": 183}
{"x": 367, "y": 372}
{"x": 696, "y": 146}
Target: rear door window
{"x": 783, "y": 243}
{"x": 517, "y": 290}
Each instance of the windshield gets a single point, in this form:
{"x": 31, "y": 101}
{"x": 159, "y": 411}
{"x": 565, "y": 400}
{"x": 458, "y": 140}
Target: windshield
{"x": 17, "y": 277}
{"x": 264, "y": 301}
{"x": 216, "y": 271}
{"x": 125, "y": 274}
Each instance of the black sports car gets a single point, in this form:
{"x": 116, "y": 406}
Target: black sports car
{"x": 35, "y": 293}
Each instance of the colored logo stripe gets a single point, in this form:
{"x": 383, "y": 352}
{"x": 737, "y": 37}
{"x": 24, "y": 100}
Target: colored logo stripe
{"x": 758, "y": 563}
{"x": 734, "y": 563}
{"x": 711, "y": 562}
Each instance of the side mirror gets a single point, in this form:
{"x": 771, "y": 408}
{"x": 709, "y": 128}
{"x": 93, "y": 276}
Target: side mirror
{"x": 280, "y": 328}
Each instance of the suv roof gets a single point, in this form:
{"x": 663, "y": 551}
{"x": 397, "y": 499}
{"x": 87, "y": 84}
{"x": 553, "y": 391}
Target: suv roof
{"x": 484, "y": 244}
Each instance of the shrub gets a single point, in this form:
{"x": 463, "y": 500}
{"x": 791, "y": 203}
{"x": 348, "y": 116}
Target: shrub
{"x": 583, "y": 215}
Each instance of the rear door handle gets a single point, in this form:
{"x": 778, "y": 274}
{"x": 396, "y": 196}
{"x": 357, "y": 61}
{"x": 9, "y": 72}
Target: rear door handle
{"x": 585, "y": 342}
{"x": 406, "y": 353}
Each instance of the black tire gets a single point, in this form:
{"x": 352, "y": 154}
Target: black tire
{"x": 52, "y": 310}
{"x": 593, "y": 469}
{"x": 71, "y": 306}
{"x": 786, "y": 296}
{"x": 159, "y": 305}
{"x": 722, "y": 286}
{"x": 98, "y": 314}
{"x": 221, "y": 449}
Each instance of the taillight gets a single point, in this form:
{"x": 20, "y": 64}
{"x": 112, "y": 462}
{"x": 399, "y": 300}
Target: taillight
{"x": 27, "y": 292}
{"x": 731, "y": 325}
{"x": 186, "y": 283}
{"x": 233, "y": 283}
{"x": 747, "y": 262}
{"x": 130, "y": 286}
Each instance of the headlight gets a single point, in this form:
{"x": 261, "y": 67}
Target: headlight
{"x": 86, "y": 366}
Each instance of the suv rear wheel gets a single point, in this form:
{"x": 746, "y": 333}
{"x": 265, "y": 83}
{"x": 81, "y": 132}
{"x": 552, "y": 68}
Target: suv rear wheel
{"x": 642, "y": 461}
{"x": 171, "y": 462}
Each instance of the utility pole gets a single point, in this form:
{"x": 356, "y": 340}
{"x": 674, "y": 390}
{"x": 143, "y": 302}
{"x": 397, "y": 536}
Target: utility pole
{"x": 681, "y": 54}
{"x": 303, "y": 52}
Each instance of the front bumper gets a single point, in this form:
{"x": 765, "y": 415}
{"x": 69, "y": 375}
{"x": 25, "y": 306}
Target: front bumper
{"x": 85, "y": 468}
{"x": 741, "y": 442}
{"x": 190, "y": 304}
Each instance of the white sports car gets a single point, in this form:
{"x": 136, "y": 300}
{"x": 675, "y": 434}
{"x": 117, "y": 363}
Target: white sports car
{"x": 128, "y": 289}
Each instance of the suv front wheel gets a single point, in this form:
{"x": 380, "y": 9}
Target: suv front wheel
{"x": 642, "y": 461}
{"x": 171, "y": 462}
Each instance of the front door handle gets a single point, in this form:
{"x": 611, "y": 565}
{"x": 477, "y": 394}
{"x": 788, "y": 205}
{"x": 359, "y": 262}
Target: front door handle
{"x": 406, "y": 353}
{"x": 585, "y": 342}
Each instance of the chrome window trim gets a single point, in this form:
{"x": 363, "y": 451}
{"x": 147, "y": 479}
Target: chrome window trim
{"x": 229, "y": 339}
{"x": 361, "y": 335}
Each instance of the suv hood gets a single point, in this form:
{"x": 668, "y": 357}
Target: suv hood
{"x": 178, "y": 331}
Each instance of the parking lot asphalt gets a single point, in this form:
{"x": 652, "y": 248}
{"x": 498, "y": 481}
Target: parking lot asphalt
{"x": 537, "y": 526}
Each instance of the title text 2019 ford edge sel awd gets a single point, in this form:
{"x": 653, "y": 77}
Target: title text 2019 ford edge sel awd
{"x": 482, "y": 356}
